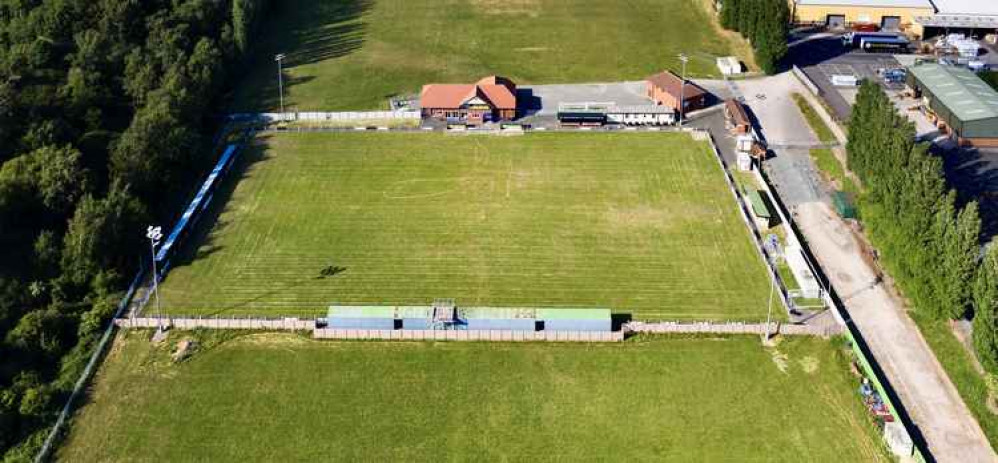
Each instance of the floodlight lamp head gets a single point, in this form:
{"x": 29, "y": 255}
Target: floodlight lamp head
{"x": 279, "y": 57}
{"x": 154, "y": 233}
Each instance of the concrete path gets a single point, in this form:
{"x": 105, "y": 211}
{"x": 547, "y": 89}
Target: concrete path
{"x": 931, "y": 400}
{"x": 928, "y": 395}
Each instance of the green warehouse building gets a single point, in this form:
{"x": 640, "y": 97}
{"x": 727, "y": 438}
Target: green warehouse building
{"x": 961, "y": 101}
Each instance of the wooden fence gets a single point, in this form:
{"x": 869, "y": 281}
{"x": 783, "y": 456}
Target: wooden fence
{"x": 733, "y": 328}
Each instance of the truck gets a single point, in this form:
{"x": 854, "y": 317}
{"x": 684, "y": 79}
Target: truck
{"x": 852, "y": 39}
{"x": 884, "y": 44}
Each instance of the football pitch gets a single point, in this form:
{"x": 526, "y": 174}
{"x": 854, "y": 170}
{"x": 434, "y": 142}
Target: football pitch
{"x": 642, "y": 223}
{"x": 355, "y": 54}
{"x": 281, "y": 397}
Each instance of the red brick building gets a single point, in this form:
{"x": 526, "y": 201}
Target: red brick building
{"x": 665, "y": 87}
{"x": 490, "y": 99}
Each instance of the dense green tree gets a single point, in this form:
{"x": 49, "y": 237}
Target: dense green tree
{"x": 104, "y": 109}
{"x": 97, "y": 233}
{"x": 730, "y": 14}
{"x": 986, "y": 311}
{"x": 929, "y": 245}
{"x": 764, "y": 23}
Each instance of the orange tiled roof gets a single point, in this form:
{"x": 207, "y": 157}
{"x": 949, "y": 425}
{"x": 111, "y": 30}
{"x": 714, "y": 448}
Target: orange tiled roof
{"x": 497, "y": 91}
{"x": 671, "y": 83}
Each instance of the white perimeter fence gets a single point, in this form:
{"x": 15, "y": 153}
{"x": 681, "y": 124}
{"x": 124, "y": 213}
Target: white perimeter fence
{"x": 326, "y": 116}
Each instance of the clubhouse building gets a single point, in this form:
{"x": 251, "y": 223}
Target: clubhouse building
{"x": 491, "y": 99}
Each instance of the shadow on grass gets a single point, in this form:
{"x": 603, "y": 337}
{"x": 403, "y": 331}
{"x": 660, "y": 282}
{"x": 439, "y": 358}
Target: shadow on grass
{"x": 200, "y": 243}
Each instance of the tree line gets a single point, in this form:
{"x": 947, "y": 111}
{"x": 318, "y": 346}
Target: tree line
{"x": 929, "y": 242}
{"x": 106, "y": 112}
{"x": 764, "y": 23}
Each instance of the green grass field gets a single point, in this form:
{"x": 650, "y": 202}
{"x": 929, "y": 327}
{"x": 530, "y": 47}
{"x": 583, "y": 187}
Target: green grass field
{"x": 281, "y": 397}
{"x": 354, "y": 54}
{"x": 641, "y": 223}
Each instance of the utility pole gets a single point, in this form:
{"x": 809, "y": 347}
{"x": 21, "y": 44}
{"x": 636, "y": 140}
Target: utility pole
{"x": 280, "y": 79}
{"x": 155, "y": 234}
{"x": 682, "y": 88}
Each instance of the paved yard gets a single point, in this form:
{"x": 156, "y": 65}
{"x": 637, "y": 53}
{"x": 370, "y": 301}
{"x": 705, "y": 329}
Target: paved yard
{"x": 543, "y": 100}
{"x": 770, "y": 101}
{"x": 824, "y": 57}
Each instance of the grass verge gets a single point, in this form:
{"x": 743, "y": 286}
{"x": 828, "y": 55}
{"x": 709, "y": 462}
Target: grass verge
{"x": 821, "y": 130}
{"x": 960, "y": 369}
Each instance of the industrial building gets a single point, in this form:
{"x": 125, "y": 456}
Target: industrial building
{"x": 975, "y": 18}
{"x": 959, "y": 101}
{"x": 489, "y": 100}
{"x": 889, "y": 15}
{"x": 666, "y": 88}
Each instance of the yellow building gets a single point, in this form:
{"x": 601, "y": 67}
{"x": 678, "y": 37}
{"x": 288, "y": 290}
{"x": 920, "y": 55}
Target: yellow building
{"x": 890, "y": 15}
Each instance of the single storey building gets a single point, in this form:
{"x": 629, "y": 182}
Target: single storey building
{"x": 641, "y": 115}
{"x": 960, "y": 101}
{"x": 488, "y": 100}
{"x": 666, "y": 88}
{"x": 737, "y": 117}
{"x": 887, "y": 15}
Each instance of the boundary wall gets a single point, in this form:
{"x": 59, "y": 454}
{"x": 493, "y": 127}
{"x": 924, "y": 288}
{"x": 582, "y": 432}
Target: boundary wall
{"x": 774, "y": 328}
{"x": 804, "y": 79}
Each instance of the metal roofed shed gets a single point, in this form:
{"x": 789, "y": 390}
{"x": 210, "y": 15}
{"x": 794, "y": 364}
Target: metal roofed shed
{"x": 760, "y": 207}
{"x": 960, "y": 99}
{"x": 496, "y": 318}
{"x": 729, "y": 65}
{"x": 843, "y": 205}
{"x": 576, "y": 319}
{"x": 361, "y": 317}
